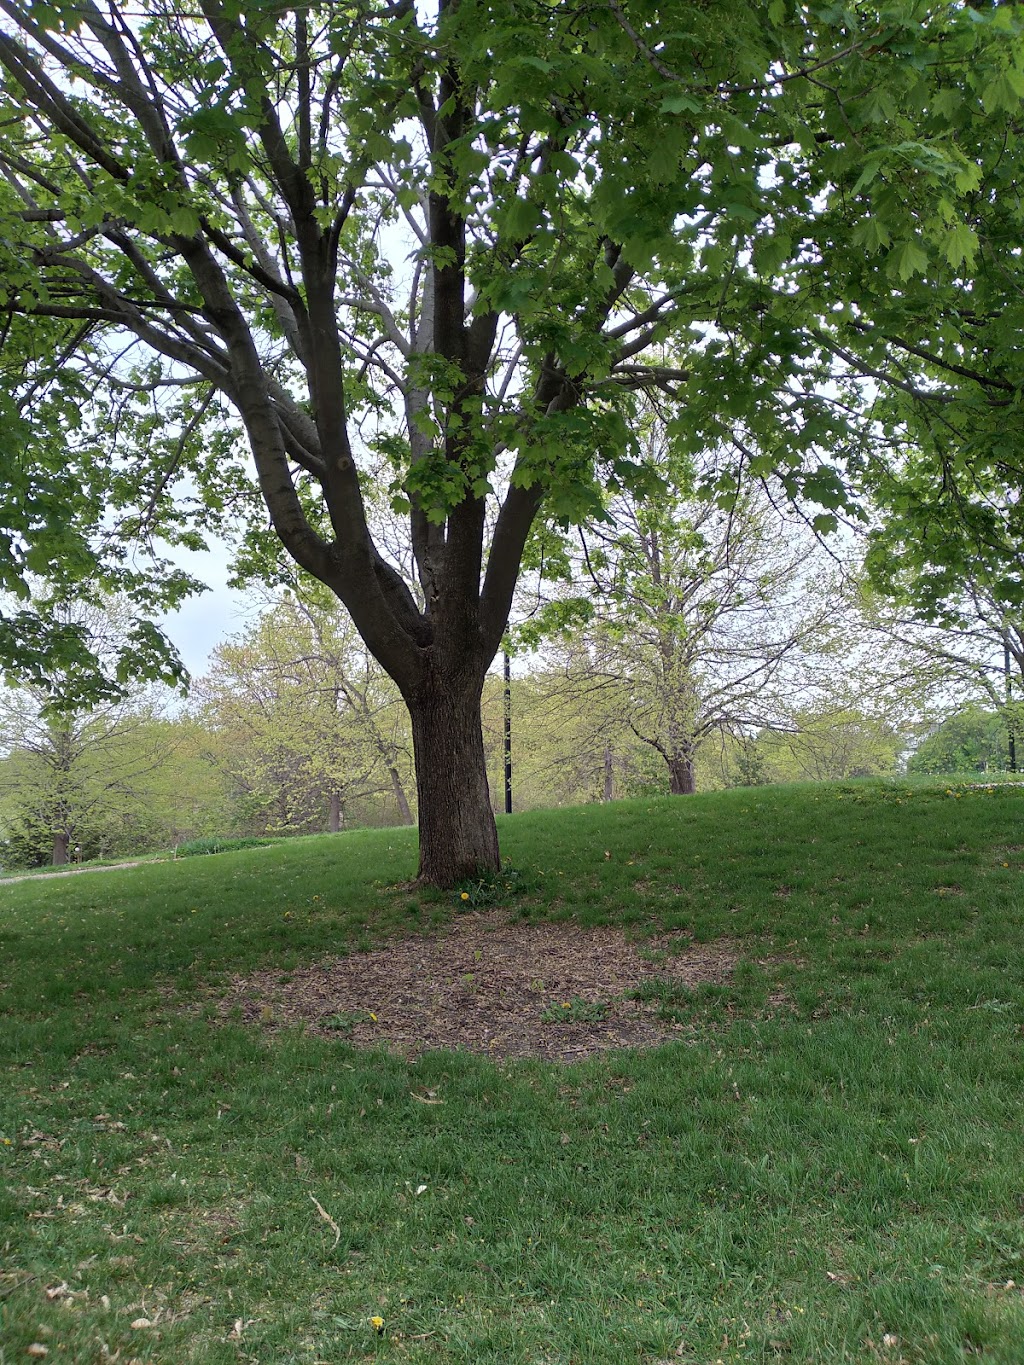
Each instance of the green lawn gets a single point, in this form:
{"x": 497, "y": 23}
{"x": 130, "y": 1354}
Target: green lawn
{"x": 837, "y": 1179}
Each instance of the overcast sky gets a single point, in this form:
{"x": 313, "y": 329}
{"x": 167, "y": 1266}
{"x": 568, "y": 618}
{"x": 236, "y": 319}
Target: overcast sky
{"x": 203, "y": 622}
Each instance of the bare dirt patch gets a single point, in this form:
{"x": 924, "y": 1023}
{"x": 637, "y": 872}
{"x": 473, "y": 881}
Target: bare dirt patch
{"x": 492, "y": 985}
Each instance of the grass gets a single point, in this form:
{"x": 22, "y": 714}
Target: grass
{"x": 832, "y": 1178}
{"x": 194, "y": 847}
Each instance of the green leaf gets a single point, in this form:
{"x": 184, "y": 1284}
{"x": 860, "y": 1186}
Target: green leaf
{"x": 872, "y": 234}
{"x": 663, "y": 162}
{"x": 680, "y": 104}
{"x": 906, "y": 260}
{"x": 1001, "y": 93}
{"x": 185, "y": 220}
{"x": 770, "y": 253}
{"x": 968, "y": 179}
{"x": 961, "y": 246}
{"x": 521, "y": 220}
{"x": 870, "y": 172}
{"x": 945, "y": 103}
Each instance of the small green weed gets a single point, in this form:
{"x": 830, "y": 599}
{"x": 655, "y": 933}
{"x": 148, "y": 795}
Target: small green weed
{"x": 661, "y": 990}
{"x": 673, "y": 999}
{"x": 493, "y": 888}
{"x": 344, "y": 1021}
{"x": 576, "y": 1011}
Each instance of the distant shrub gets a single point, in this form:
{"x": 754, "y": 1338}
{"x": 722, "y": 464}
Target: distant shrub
{"x": 194, "y": 847}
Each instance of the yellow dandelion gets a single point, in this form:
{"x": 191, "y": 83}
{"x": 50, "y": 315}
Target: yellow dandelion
{"x": 378, "y": 1325}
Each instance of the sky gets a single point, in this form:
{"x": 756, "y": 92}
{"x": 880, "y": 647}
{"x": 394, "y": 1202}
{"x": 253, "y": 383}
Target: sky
{"x": 204, "y": 622}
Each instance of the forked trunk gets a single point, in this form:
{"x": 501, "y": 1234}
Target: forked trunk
{"x": 458, "y": 836}
{"x": 682, "y": 775}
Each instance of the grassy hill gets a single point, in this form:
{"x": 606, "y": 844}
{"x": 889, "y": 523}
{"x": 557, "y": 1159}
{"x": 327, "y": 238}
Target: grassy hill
{"x": 826, "y": 1166}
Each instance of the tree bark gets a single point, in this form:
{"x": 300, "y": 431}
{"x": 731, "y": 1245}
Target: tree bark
{"x": 60, "y": 848}
{"x": 458, "y": 836}
{"x": 682, "y": 774}
{"x": 609, "y": 775}
{"x": 400, "y": 796}
{"x": 334, "y": 818}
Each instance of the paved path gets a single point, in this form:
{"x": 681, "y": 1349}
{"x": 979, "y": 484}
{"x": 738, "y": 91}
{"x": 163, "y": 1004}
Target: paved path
{"x": 76, "y": 871}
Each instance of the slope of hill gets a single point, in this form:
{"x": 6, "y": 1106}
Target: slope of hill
{"x": 821, "y": 1164}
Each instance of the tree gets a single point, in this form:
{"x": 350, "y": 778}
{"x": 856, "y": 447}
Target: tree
{"x": 312, "y": 218}
{"x": 309, "y": 723}
{"x": 74, "y": 775}
{"x": 569, "y": 742}
{"x": 968, "y": 617}
{"x": 118, "y": 781}
{"x": 697, "y": 616}
{"x": 827, "y": 746}
{"x": 972, "y": 740}
{"x": 938, "y": 361}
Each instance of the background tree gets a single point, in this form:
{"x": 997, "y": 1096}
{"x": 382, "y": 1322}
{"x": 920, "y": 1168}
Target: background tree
{"x": 973, "y": 740}
{"x": 482, "y": 219}
{"x": 75, "y": 775}
{"x": 697, "y": 611}
{"x": 307, "y": 723}
{"x": 569, "y": 743}
{"x": 112, "y": 785}
{"x": 832, "y": 745}
{"x": 967, "y": 619}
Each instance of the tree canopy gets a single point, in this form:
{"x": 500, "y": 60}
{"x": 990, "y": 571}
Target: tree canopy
{"x": 442, "y": 251}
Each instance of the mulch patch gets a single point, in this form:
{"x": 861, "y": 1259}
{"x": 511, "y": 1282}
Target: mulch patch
{"x": 484, "y": 984}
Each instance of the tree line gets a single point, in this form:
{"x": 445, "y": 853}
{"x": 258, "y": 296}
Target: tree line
{"x": 675, "y": 644}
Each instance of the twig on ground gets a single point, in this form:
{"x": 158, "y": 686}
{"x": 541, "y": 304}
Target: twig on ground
{"x": 327, "y": 1219}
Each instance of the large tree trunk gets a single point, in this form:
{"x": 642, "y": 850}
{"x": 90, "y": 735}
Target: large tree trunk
{"x": 682, "y": 775}
{"x": 60, "y": 848}
{"x": 334, "y": 818}
{"x": 458, "y": 836}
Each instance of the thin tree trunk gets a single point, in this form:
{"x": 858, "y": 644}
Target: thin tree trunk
{"x": 334, "y": 818}
{"x": 458, "y": 836}
{"x": 403, "y": 801}
{"x": 609, "y": 775}
{"x": 682, "y": 775}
